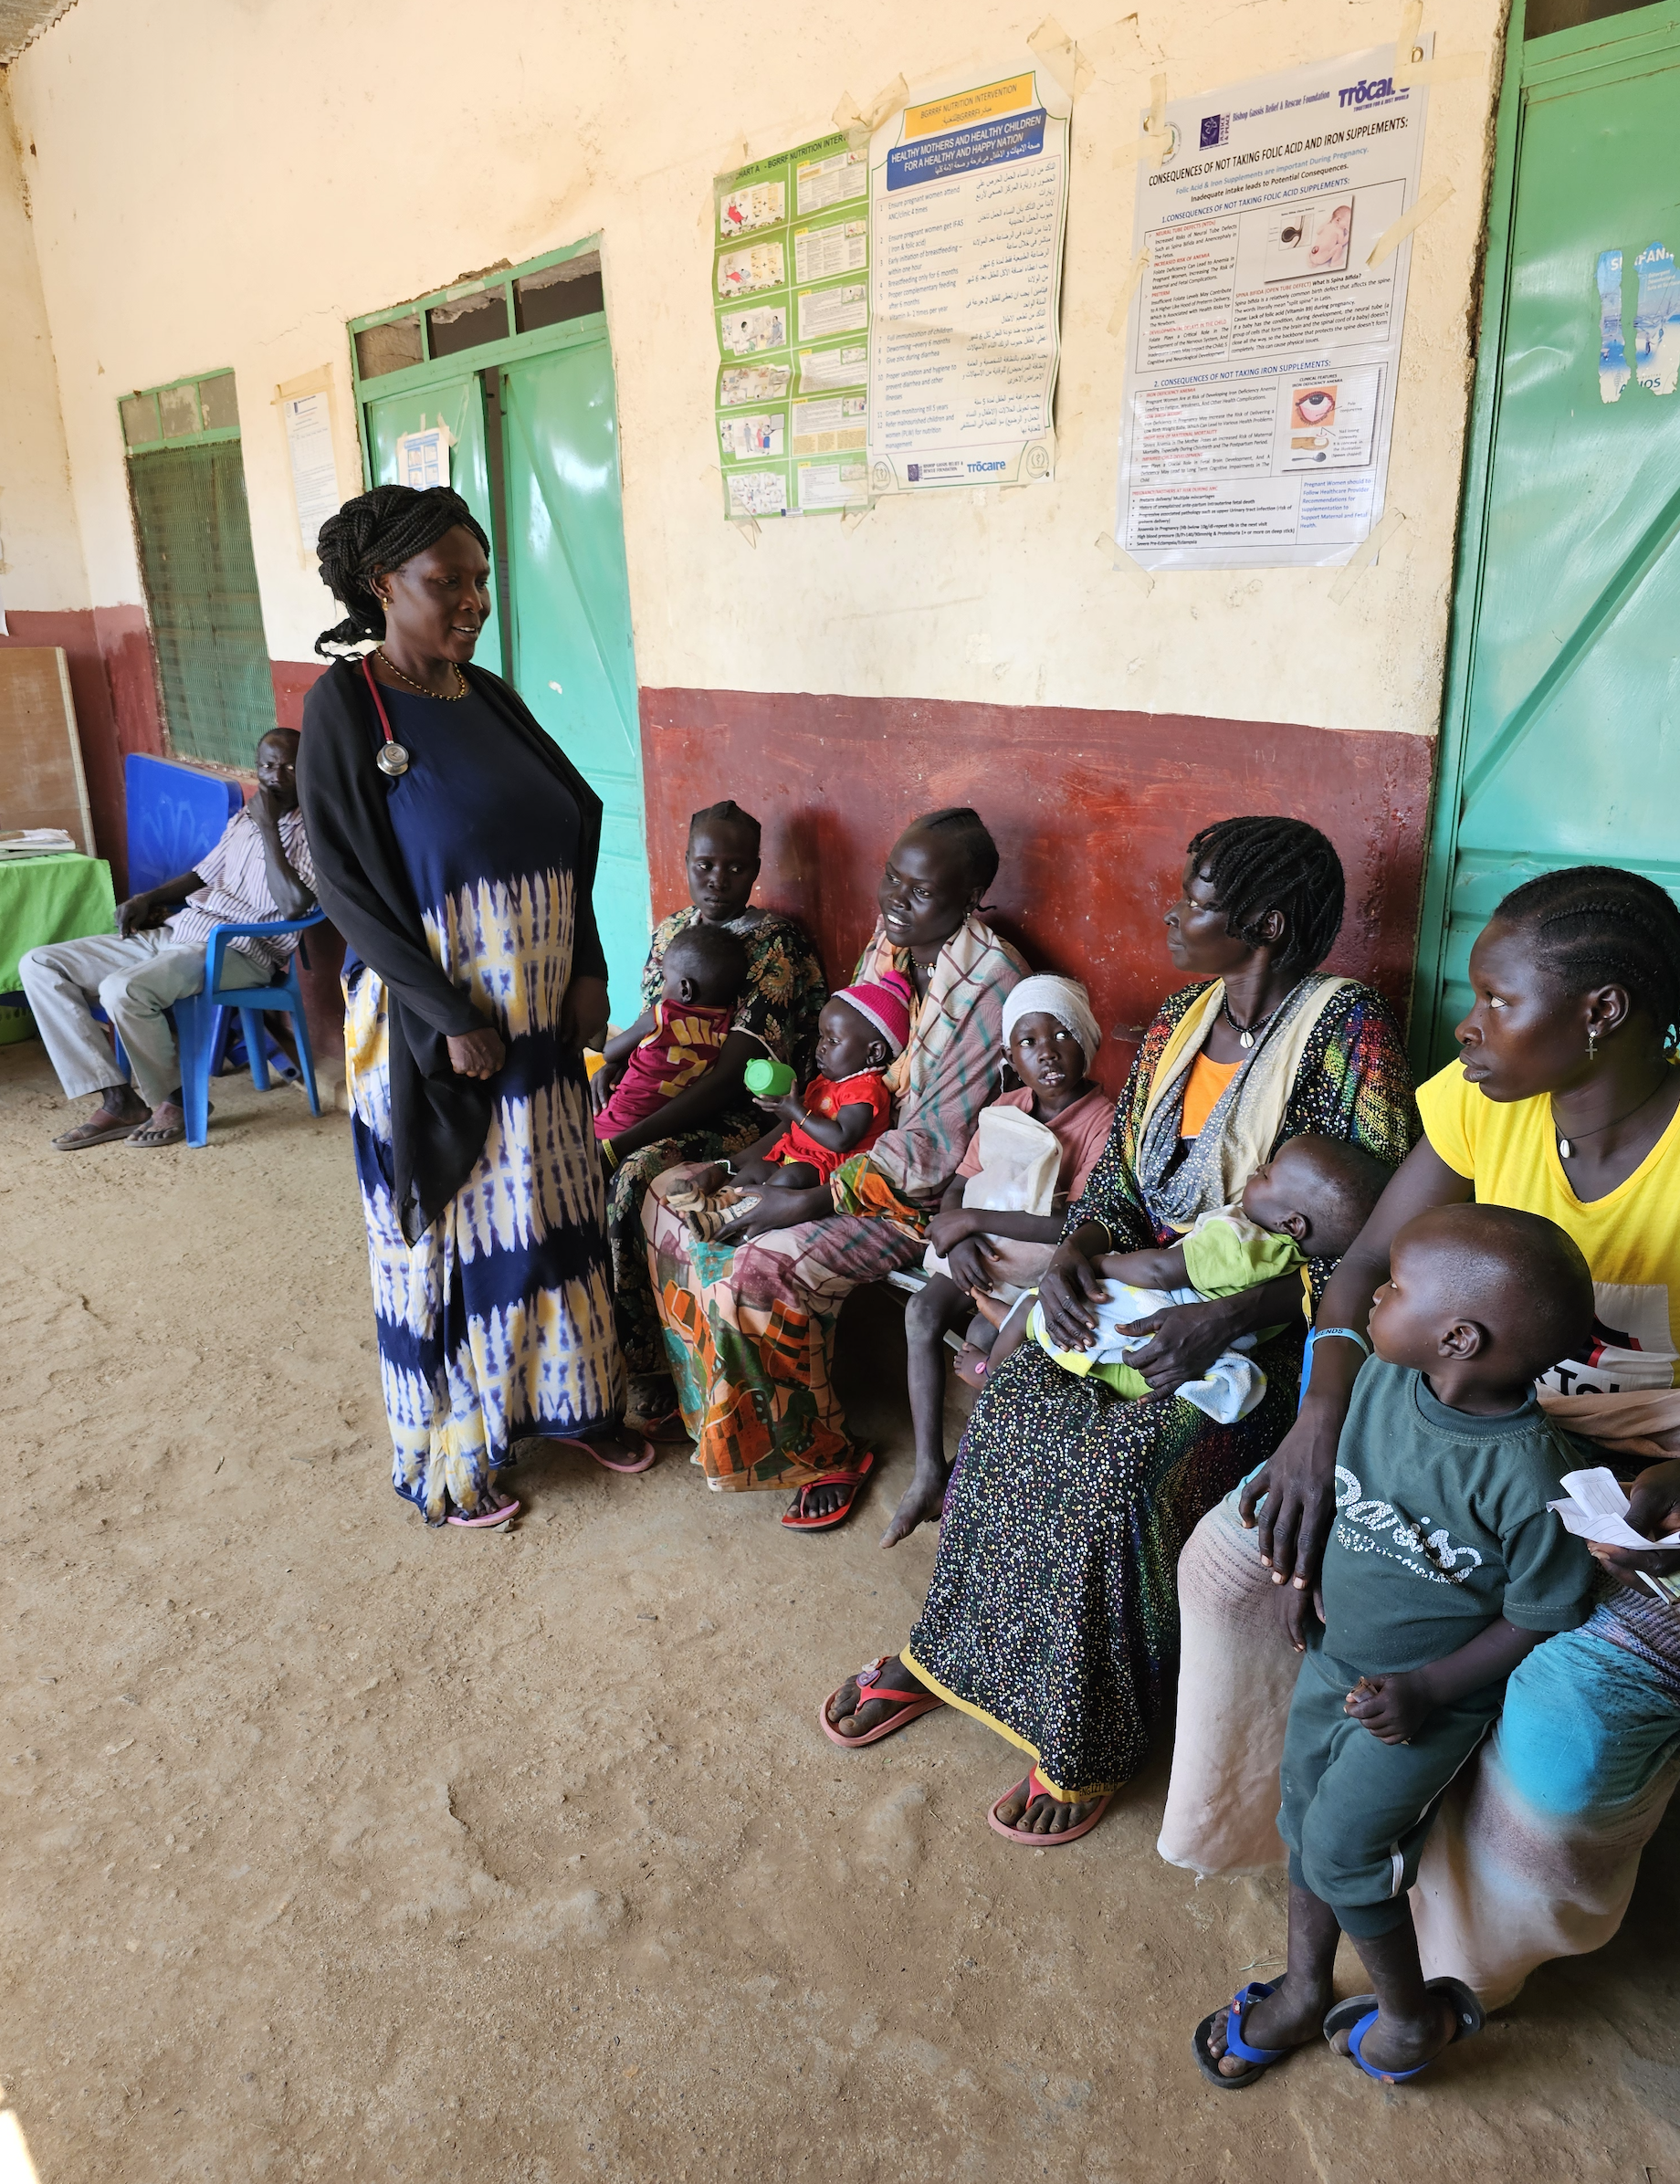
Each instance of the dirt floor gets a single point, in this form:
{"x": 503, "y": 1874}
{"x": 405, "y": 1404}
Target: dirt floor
{"x": 337, "y": 1848}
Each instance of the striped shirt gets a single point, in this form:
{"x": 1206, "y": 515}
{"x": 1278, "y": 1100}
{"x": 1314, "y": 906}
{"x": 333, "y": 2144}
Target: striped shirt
{"x": 236, "y": 889}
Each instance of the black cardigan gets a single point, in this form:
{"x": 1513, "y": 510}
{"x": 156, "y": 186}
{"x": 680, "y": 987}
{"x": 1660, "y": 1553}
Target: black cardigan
{"x": 439, "y": 1121}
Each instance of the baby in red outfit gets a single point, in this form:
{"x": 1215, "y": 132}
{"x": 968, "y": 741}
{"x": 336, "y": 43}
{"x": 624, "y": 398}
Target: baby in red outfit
{"x": 841, "y": 1112}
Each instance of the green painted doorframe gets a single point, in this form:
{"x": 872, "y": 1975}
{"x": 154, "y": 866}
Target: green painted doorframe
{"x": 560, "y": 618}
{"x": 1623, "y": 40}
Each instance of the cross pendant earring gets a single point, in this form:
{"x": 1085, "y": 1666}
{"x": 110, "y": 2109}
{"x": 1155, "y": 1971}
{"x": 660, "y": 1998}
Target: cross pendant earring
{"x": 1593, "y": 1043}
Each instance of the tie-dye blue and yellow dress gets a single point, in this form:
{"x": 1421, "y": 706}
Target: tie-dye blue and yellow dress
{"x": 498, "y": 1323}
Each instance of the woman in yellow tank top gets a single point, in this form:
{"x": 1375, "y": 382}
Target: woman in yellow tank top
{"x": 1566, "y": 1103}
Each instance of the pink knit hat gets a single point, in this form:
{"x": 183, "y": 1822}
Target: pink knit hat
{"x": 887, "y": 1003}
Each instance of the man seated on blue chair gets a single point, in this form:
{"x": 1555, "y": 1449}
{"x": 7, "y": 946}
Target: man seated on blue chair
{"x": 260, "y": 869}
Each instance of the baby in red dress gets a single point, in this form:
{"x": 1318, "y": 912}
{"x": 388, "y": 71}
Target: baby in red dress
{"x": 840, "y": 1113}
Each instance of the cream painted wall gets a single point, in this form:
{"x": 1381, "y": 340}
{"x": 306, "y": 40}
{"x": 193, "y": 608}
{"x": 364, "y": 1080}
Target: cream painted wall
{"x": 227, "y": 182}
{"x": 41, "y": 566}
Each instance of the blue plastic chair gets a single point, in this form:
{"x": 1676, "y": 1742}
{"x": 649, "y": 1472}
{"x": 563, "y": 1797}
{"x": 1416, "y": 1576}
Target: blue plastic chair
{"x": 198, "y": 1019}
{"x": 174, "y": 815}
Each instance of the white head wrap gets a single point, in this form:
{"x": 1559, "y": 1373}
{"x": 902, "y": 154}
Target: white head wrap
{"x": 1064, "y": 999}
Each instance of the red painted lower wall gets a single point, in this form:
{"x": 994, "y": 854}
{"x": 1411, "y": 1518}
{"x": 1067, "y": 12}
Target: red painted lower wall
{"x": 1091, "y": 811}
{"x": 293, "y": 681}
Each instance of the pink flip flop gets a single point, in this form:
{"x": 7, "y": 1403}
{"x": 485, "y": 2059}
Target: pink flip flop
{"x": 1036, "y": 1786}
{"x": 505, "y": 1514}
{"x": 910, "y": 1705}
{"x": 644, "y": 1461}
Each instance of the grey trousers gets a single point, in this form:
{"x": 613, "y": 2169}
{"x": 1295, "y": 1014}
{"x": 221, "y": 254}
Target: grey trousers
{"x": 133, "y": 980}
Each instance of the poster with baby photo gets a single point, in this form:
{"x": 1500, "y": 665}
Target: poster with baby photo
{"x": 1308, "y": 238}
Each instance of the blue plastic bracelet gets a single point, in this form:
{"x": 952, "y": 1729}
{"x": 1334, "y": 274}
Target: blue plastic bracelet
{"x": 1319, "y": 1334}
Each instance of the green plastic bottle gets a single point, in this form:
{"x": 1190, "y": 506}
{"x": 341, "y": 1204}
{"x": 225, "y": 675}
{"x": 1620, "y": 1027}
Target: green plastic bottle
{"x": 769, "y": 1080}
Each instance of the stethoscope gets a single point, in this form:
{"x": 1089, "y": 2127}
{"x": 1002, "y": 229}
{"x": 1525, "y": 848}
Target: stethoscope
{"x": 391, "y": 757}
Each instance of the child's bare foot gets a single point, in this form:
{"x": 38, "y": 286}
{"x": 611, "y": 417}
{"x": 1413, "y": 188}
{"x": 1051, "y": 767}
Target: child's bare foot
{"x": 971, "y": 1365}
{"x": 1289, "y": 2017}
{"x": 923, "y": 1500}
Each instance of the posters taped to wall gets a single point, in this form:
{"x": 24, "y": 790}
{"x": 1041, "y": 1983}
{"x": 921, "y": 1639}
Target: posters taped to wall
{"x": 790, "y": 301}
{"x": 1262, "y": 348}
{"x": 888, "y": 314}
{"x": 968, "y": 198}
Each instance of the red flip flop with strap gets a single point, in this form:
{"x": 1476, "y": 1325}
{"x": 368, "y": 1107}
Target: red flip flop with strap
{"x": 797, "y": 1521}
{"x": 910, "y": 1705}
{"x": 1036, "y": 1786}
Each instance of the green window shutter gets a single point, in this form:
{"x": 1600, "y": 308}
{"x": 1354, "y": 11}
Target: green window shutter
{"x": 201, "y": 587}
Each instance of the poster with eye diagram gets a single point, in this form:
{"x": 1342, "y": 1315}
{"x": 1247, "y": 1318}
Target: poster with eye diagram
{"x": 1263, "y": 348}
{"x": 968, "y": 208}
{"x": 791, "y": 298}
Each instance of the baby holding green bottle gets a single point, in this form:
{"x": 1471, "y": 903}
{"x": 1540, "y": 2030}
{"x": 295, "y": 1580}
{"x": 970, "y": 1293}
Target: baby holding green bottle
{"x": 841, "y": 1112}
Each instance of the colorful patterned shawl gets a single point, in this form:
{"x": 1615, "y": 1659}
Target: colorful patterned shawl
{"x": 942, "y": 1079}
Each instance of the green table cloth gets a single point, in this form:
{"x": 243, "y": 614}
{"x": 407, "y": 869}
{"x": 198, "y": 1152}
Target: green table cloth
{"x": 50, "y": 898}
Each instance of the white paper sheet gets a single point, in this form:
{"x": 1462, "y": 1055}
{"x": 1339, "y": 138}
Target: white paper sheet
{"x": 968, "y": 204}
{"x": 307, "y": 419}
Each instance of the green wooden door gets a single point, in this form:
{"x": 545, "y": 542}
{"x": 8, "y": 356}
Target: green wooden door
{"x": 195, "y": 533}
{"x": 459, "y": 401}
{"x": 573, "y": 658}
{"x": 1561, "y": 740}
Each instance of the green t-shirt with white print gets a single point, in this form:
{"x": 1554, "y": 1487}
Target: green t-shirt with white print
{"x": 1441, "y": 1527}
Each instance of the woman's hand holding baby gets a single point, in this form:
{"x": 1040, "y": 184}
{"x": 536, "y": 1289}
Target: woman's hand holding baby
{"x": 1188, "y": 1338}
{"x": 1070, "y": 1290}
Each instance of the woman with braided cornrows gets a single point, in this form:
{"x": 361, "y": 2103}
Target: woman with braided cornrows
{"x": 1565, "y": 1103}
{"x": 456, "y": 851}
{"x": 1052, "y": 1615}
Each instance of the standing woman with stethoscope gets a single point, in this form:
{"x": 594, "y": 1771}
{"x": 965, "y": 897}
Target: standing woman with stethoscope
{"x": 456, "y": 851}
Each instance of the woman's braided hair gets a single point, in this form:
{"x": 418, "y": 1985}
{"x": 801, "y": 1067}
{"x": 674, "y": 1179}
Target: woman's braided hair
{"x": 1595, "y": 925}
{"x": 973, "y": 839}
{"x": 380, "y": 529}
{"x": 727, "y": 814}
{"x": 1254, "y": 865}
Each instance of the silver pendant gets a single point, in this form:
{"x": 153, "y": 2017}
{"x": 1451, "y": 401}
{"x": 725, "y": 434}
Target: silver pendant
{"x": 1564, "y": 1148}
{"x": 391, "y": 759}
{"x": 1245, "y": 1038}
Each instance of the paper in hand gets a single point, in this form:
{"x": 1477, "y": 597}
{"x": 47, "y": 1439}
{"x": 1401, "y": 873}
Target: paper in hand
{"x": 1597, "y": 1509}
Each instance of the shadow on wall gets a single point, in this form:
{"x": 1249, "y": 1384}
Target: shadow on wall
{"x": 1090, "y": 811}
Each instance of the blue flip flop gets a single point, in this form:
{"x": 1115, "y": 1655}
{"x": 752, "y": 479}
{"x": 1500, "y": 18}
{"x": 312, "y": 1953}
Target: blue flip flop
{"x": 1260, "y": 2060}
{"x": 1357, "y": 2015}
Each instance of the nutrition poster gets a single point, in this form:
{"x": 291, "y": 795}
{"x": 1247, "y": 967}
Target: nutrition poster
{"x": 791, "y": 298}
{"x": 968, "y": 206}
{"x": 1261, "y": 349}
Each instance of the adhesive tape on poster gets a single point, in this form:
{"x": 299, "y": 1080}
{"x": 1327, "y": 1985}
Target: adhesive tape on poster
{"x": 1121, "y": 563}
{"x": 1064, "y": 60}
{"x": 1366, "y": 554}
{"x": 1159, "y": 137}
{"x": 1432, "y": 199}
{"x": 1409, "y": 67}
{"x": 860, "y": 123}
{"x": 1128, "y": 289}
{"x": 747, "y": 527}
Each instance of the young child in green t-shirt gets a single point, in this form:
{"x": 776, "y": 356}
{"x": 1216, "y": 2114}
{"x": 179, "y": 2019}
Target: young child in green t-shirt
{"x": 1309, "y": 1201}
{"x": 1444, "y": 1567}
